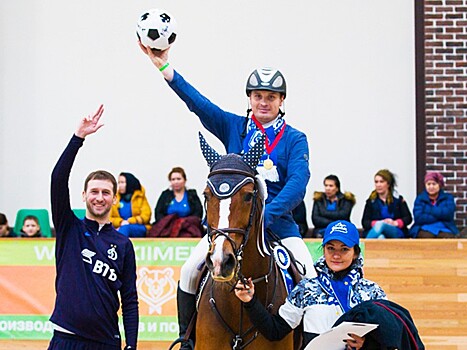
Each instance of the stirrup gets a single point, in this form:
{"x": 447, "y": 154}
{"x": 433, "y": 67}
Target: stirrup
{"x": 183, "y": 341}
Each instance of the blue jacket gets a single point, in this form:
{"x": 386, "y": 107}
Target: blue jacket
{"x": 93, "y": 265}
{"x": 398, "y": 209}
{"x": 426, "y": 213}
{"x": 396, "y": 329}
{"x": 229, "y": 128}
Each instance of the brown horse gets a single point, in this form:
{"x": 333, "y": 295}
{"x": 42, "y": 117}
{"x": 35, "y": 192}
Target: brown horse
{"x": 234, "y": 205}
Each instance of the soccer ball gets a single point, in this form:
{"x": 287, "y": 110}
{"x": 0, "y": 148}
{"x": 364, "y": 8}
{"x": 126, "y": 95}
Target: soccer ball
{"x": 156, "y": 29}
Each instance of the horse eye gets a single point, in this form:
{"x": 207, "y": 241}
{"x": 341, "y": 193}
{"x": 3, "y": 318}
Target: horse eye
{"x": 206, "y": 196}
{"x": 248, "y": 197}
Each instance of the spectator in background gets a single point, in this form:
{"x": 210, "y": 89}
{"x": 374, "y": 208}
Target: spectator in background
{"x": 178, "y": 210}
{"x": 386, "y": 214}
{"x": 299, "y": 216}
{"x": 131, "y": 213}
{"x": 434, "y": 210}
{"x": 31, "y": 227}
{"x": 5, "y": 230}
{"x": 330, "y": 205}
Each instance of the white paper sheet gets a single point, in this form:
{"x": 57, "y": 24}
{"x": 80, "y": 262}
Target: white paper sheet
{"x": 333, "y": 339}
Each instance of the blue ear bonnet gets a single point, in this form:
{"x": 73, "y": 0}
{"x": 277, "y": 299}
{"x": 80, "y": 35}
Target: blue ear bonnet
{"x": 228, "y": 175}
{"x": 230, "y": 172}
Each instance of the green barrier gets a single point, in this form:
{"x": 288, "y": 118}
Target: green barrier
{"x": 158, "y": 262}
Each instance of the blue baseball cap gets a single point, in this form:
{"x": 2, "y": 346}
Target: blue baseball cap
{"x": 342, "y": 231}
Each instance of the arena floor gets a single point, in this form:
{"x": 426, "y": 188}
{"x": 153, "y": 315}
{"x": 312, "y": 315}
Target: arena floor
{"x": 431, "y": 343}
{"x": 42, "y": 345}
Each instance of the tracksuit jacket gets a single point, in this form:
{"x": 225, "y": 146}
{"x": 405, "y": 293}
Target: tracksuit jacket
{"x": 93, "y": 266}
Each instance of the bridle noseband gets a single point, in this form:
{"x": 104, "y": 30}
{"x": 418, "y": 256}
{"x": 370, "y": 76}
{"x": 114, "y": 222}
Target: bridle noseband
{"x": 214, "y": 233}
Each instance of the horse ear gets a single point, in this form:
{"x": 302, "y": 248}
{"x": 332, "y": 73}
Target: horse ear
{"x": 209, "y": 153}
{"x": 255, "y": 153}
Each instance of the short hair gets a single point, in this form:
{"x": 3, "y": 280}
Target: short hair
{"x": 101, "y": 175}
{"x": 3, "y": 220}
{"x": 179, "y": 170}
{"x": 31, "y": 217}
{"x": 335, "y": 179}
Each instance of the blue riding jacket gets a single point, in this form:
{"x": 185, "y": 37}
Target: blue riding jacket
{"x": 230, "y": 128}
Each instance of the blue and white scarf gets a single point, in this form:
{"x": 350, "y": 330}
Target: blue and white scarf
{"x": 252, "y": 136}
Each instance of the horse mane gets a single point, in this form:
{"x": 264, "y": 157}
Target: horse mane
{"x": 261, "y": 245}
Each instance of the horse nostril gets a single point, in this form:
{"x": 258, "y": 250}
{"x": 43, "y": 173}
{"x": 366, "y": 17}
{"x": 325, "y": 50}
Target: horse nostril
{"x": 229, "y": 262}
{"x": 209, "y": 263}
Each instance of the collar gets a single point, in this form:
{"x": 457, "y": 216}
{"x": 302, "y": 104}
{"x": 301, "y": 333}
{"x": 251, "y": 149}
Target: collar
{"x": 94, "y": 226}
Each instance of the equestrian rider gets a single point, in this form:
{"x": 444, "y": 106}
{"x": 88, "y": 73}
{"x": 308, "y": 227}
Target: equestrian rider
{"x": 284, "y": 164}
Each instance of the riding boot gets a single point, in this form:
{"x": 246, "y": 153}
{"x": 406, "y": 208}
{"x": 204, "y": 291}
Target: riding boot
{"x": 186, "y": 306}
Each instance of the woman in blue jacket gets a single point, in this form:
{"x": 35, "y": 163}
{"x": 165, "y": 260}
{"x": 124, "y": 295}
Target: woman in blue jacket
{"x": 386, "y": 213}
{"x": 434, "y": 210}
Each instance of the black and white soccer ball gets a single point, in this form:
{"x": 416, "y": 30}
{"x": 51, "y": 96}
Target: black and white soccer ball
{"x": 156, "y": 28}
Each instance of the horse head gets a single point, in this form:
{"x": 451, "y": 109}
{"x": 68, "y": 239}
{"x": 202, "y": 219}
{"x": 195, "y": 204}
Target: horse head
{"x": 234, "y": 201}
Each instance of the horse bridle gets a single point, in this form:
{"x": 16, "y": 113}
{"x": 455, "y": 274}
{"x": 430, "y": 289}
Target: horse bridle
{"x": 214, "y": 233}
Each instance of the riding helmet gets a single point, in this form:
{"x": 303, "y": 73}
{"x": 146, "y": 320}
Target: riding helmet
{"x": 266, "y": 78}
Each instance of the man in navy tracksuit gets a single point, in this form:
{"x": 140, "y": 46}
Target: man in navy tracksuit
{"x": 95, "y": 264}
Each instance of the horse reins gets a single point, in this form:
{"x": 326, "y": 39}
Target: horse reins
{"x": 213, "y": 234}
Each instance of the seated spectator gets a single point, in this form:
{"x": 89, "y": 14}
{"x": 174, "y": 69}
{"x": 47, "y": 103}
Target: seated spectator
{"x": 434, "y": 210}
{"x": 131, "y": 213}
{"x": 386, "y": 214}
{"x": 178, "y": 210}
{"x": 31, "y": 227}
{"x": 299, "y": 216}
{"x": 330, "y": 205}
{"x": 5, "y": 230}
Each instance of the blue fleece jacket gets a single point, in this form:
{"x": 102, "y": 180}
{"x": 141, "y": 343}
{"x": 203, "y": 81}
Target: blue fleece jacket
{"x": 292, "y": 150}
{"x": 92, "y": 267}
{"x": 426, "y": 213}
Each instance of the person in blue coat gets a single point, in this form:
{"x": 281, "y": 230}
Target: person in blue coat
{"x": 434, "y": 210}
{"x": 284, "y": 164}
{"x": 386, "y": 213}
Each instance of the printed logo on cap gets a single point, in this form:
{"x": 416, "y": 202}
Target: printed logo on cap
{"x": 339, "y": 227}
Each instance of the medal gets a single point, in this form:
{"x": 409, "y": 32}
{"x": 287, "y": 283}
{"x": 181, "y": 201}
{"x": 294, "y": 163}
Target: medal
{"x": 268, "y": 164}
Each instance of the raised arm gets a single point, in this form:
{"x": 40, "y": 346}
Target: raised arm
{"x": 60, "y": 194}
{"x": 90, "y": 124}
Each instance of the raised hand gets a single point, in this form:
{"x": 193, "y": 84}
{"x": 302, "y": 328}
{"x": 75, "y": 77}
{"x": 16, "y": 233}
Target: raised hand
{"x": 159, "y": 59}
{"x": 90, "y": 124}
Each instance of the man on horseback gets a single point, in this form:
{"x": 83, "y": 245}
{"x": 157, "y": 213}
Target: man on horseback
{"x": 284, "y": 165}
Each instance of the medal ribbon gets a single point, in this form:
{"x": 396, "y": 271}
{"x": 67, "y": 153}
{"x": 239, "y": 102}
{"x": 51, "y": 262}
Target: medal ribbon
{"x": 269, "y": 147}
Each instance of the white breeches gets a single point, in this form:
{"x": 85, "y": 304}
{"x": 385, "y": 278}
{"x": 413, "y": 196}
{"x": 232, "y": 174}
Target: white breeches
{"x": 189, "y": 271}
{"x": 301, "y": 253}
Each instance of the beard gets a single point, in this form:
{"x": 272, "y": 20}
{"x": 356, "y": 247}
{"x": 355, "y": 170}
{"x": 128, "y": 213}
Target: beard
{"x": 98, "y": 215}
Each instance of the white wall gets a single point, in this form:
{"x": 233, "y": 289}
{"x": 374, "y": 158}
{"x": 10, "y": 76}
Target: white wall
{"x": 349, "y": 67}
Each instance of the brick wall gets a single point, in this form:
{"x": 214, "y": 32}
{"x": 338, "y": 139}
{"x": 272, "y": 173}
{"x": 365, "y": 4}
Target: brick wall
{"x": 446, "y": 96}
